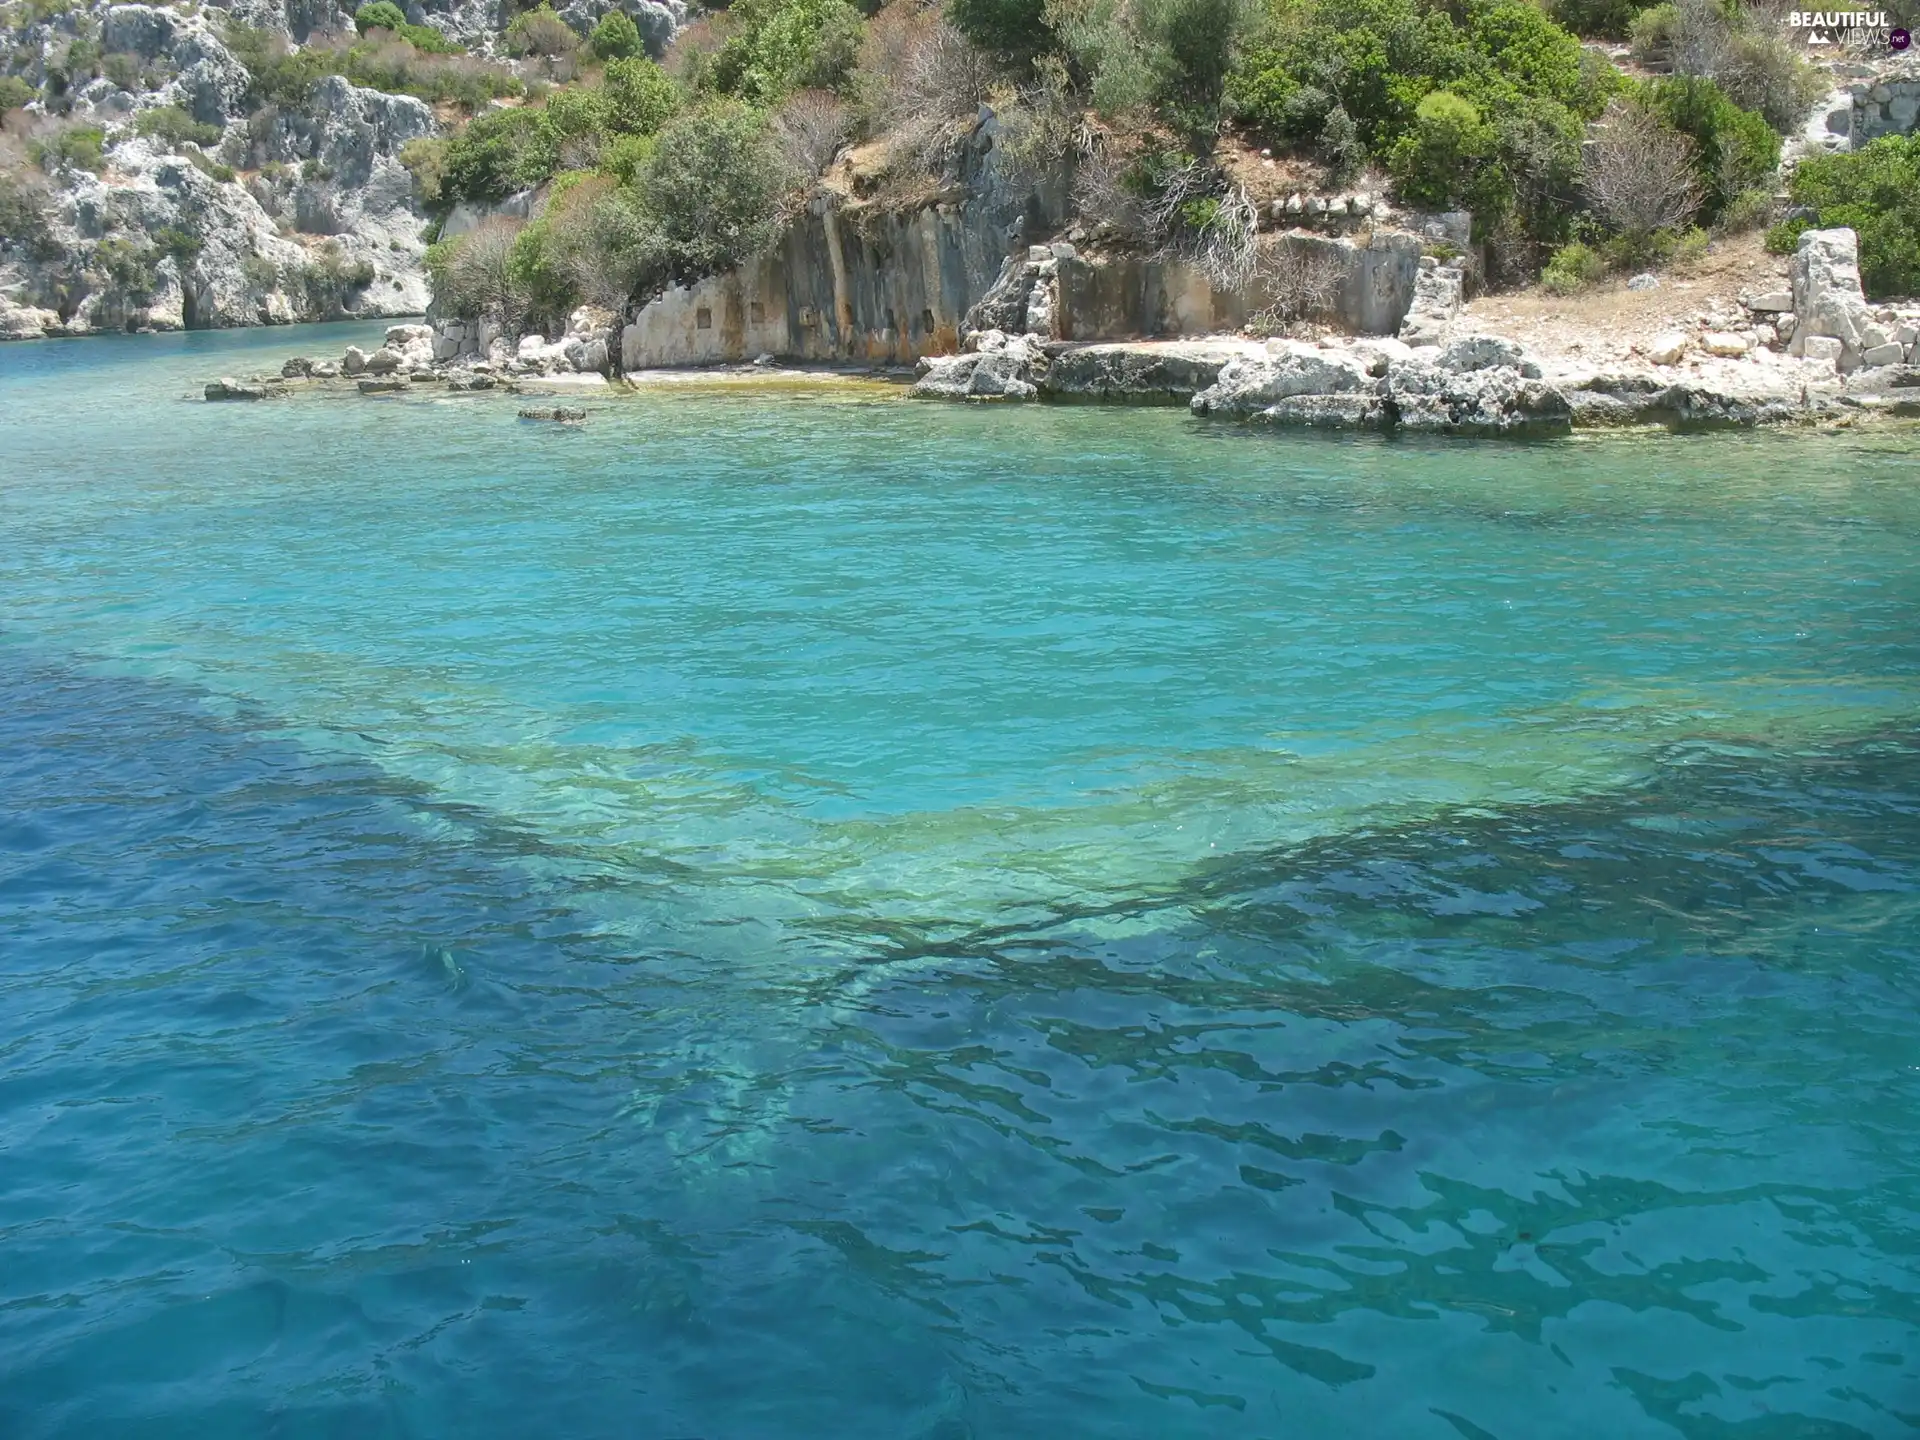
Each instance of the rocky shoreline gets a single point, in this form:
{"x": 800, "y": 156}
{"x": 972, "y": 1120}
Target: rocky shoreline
{"x": 1814, "y": 354}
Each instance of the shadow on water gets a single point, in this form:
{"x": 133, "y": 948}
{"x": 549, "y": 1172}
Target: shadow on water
{"x": 328, "y": 1106}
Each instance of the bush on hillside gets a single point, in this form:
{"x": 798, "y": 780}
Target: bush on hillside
{"x": 1757, "y": 66}
{"x": 1735, "y": 150}
{"x": 625, "y": 157}
{"x": 541, "y": 32}
{"x": 74, "y": 147}
{"x": 808, "y": 129}
{"x": 1601, "y": 19}
{"x": 779, "y": 46}
{"x": 26, "y": 225}
{"x": 15, "y": 92}
{"x": 174, "y": 126}
{"x": 708, "y": 196}
{"x": 426, "y": 159}
{"x": 1640, "y": 176}
{"x": 1573, "y": 268}
{"x": 1377, "y": 59}
{"x": 615, "y": 38}
{"x": 1015, "y": 30}
{"x": 1876, "y": 193}
{"x": 1442, "y": 162}
{"x": 499, "y": 153}
{"x": 380, "y": 15}
{"x": 640, "y": 97}
{"x": 1172, "y": 54}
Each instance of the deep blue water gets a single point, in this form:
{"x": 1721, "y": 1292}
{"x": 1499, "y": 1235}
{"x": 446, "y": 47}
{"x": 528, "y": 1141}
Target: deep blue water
{"x": 805, "y": 914}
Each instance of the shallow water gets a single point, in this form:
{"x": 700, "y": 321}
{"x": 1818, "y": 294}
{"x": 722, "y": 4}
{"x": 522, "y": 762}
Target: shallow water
{"x": 810, "y": 914}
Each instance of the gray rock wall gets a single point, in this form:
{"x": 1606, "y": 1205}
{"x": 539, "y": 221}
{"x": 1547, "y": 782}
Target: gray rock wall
{"x": 1886, "y": 105}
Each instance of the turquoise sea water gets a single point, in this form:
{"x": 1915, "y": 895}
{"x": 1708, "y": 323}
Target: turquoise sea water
{"x": 806, "y": 914}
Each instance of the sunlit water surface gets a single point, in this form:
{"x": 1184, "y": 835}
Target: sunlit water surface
{"x": 804, "y": 914}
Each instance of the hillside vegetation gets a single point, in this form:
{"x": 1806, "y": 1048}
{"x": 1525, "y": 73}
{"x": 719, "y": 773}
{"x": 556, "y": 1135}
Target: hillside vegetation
{"x": 660, "y": 167}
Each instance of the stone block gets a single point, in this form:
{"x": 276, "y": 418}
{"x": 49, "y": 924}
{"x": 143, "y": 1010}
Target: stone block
{"x": 1888, "y": 354}
{"x": 1772, "y": 302}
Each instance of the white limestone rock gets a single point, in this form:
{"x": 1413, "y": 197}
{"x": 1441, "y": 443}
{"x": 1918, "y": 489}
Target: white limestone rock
{"x": 1827, "y": 299}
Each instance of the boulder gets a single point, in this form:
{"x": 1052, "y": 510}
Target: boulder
{"x": 227, "y": 388}
{"x": 1500, "y": 401}
{"x": 1644, "y": 282}
{"x": 1888, "y": 354}
{"x": 384, "y": 361}
{"x": 354, "y": 361}
{"x": 999, "y": 367}
{"x": 1827, "y": 299}
{"x": 1485, "y": 352}
{"x": 1824, "y": 349}
{"x": 1725, "y": 343}
{"x": 299, "y": 366}
{"x": 1160, "y": 374}
{"x": 1254, "y": 385}
{"x": 1772, "y": 302}
{"x": 1667, "y": 348}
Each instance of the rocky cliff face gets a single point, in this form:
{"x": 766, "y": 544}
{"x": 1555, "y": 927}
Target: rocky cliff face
{"x": 286, "y": 216}
{"x": 851, "y": 284}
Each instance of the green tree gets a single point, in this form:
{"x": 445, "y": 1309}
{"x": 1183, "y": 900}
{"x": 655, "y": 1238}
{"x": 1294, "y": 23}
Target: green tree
{"x": 640, "y": 97}
{"x": 615, "y": 37}
{"x": 709, "y": 194}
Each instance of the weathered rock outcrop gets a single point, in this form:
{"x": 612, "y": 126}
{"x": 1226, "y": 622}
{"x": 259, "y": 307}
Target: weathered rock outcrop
{"x": 292, "y": 214}
{"x": 1827, "y": 300}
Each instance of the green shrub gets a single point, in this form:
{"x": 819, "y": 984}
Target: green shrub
{"x": 181, "y": 244}
{"x": 1377, "y": 59}
{"x": 174, "y": 126}
{"x": 640, "y": 97}
{"x": 1016, "y": 30}
{"x": 77, "y": 147}
{"x": 25, "y": 218}
{"x": 1735, "y": 150}
{"x": 1574, "y": 267}
{"x": 1172, "y": 54}
{"x": 1784, "y": 238}
{"x": 280, "y": 76}
{"x": 499, "y": 153}
{"x": 426, "y": 159}
{"x": 210, "y": 167}
{"x": 1603, "y": 19}
{"x": 625, "y": 157}
{"x": 1875, "y": 192}
{"x": 1651, "y": 34}
{"x": 15, "y": 92}
{"x": 541, "y": 32}
{"x": 330, "y": 280}
{"x": 380, "y": 15}
{"x": 779, "y": 46}
{"x": 1440, "y": 162}
{"x": 1689, "y": 249}
{"x": 615, "y": 37}
{"x": 1749, "y": 210}
{"x": 123, "y": 70}
{"x": 708, "y": 196}
{"x": 122, "y": 265}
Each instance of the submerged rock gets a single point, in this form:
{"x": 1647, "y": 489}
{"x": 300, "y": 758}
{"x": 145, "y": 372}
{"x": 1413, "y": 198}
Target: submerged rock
{"x": 227, "y": 388}
{"x": 563, "y": 413}
{"x": 382, "y": 387}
